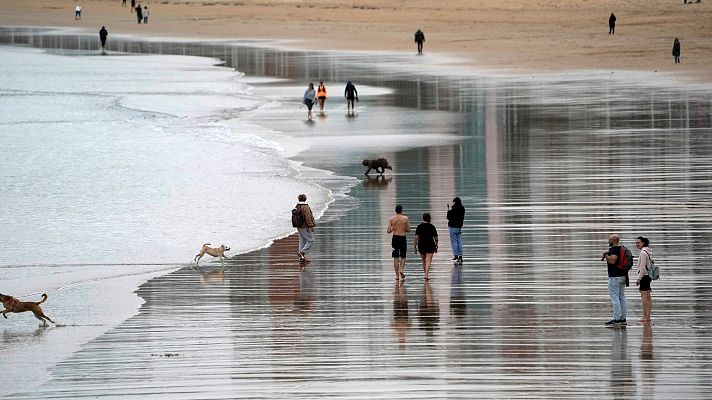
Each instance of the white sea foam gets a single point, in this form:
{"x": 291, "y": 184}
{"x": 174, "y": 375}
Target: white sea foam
{"x": 135, "y": 159}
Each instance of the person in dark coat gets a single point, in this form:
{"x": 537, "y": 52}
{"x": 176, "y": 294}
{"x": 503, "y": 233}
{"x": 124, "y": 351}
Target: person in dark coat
{"x": 419, "y": 39}
{"x": 351, "y": 94}
{"x": 612, "y": 24}
{"x": 103, "y": 33}
{"x": 676, "y": 50}
{"x": 455, "y": 219}
{"x": 139, "y": 13}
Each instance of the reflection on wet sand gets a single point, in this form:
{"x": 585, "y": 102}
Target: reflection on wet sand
{"x": 377, "y": 182}
{"x": 546, "y": 169}
{"x": 401, "y": 314}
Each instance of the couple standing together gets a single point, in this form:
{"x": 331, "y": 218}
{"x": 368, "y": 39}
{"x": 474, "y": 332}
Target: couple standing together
{"x": 426, "y": 238}
{"x": 618, "y": 278}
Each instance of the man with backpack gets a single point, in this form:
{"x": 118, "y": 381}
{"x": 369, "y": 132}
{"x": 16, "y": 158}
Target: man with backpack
{"x": 303, "y": 220}
{"x": 619, "y": 260}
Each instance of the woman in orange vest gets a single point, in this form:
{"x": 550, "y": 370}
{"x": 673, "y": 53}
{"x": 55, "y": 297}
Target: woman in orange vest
{"x": 321, "y": 95}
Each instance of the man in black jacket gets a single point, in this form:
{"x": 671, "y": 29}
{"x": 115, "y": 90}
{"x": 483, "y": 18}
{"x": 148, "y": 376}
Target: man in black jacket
{"x": 419, "y": 39}
{"x": 455, "y": 220}
{"x": 103, "y": 33}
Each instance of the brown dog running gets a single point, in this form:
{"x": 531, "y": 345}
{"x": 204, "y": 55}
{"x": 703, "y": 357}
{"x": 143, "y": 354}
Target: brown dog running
{"x": 14, "y": 305}
{"x": 380, "y": 165}
{"x": 213, "y": 251}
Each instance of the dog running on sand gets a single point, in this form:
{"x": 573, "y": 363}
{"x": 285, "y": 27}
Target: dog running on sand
{"x": 213, "y": 251}
{"x": 14, "y": 305}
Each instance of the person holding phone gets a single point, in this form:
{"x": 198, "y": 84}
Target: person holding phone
{"x": 455, "y": 220}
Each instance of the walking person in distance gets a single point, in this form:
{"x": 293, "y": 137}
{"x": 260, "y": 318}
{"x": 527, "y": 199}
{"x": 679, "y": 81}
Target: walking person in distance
{"x": 426, "y": 243}
{"x": 399, "y": 225}
{"x": 308, "y": 99}
{"x": 676, "y": 50}
{"x": 103, "y": 33}
{"x": 455, "y": 220}
{"x": 612, "y": 24}
{"x": 303, "y": 220}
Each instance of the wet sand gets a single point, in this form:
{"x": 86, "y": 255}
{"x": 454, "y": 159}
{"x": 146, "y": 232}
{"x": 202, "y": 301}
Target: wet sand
{"x": 516, "y": 35}
{"x": 546, "y": 171}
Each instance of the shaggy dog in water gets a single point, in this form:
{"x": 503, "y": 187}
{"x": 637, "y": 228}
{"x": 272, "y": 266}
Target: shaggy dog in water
{"x": 14, "y": 305}
{"x": 213, "y": 251}
{"x": 380, "y": 165}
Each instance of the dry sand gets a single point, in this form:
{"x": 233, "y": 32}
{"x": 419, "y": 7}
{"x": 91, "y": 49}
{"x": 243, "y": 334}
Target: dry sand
{"x": 519, "y": 35}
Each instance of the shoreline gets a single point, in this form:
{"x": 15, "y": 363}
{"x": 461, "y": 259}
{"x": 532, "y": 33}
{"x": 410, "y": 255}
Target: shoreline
{"x": 261, "y": 324}
{"x": 520, "y": 36}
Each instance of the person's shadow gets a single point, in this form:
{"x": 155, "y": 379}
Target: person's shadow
{"x": 622, "y": 382}
{"x": 458, "y": 304}
{"x": 401, "y": 315}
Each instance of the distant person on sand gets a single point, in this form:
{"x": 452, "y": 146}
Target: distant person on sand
{"x": 78, "y": 12}
{"x": 321, "y": 95}
{"x": 123, "y": 3}
{"x": 103, "y": 33}
{"x": 399, "y": 225}
{"x": 426, "y": 243}
{"x": 139, "y": 13}
{"x": 612, "y": 24}
{"x": 133, "y": 5}
{"x": 455, "y": 220}
{"x": 305, "y": 226}
{"x": 308, "y": 99}
{"x": 351, "y": 94}
{"x": 145, "y": 14}
{"x": 419, "y": 39}
{"x": 676, "y": 50}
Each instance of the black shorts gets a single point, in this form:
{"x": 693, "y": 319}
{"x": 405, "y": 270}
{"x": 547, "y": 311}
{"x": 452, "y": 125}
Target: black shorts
{"x": 321, "y": 97}
{"x": 309, "y": 103}
{"x": 645, "y": 284}
{"x": 400, "y": 246}
{"x": 426, "y": 250}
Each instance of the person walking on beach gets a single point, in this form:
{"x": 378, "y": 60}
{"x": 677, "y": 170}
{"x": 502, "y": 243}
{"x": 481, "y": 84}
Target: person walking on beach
{"x": 616, "y": 280}
{"x": 103, "y": 33}
{"x": 351, "y": 94}
{"x": 399, "y": 225}
{"x": 419, "y": 39}
{"x": 305, "y": 226}
{"x": 133, "y": 5}
{"x": 78, "y": 12}
{"x": 321, "y": 95}
{"x": 139, "y": 13}
{"x": 308, "y": 99}
{"x": 145, "y": 14}
{"x": 426, "y": 243}
{"x": 676, "y": 50}
{"x": 123, "y": 3}
{"x": 643, "y": 280}
{"x": 612, "y": 24}
{"x": 455, "y": 220}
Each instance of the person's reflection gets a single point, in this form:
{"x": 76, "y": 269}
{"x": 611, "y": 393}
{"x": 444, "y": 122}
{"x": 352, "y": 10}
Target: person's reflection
{"x": 646, "y": 362}
{"x": 622, "y": 382}
{"x": 208, "y": 277}
{"x": 377, "y": 182}
{"x": 458, "y": 305}
{"x": 304, "y": 296}
{"x": 428, "y": 311}
{"x": 401, "y": 316}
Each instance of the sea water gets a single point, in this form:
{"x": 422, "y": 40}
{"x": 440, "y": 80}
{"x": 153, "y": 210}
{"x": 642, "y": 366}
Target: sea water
{"x": 135, "y": 159}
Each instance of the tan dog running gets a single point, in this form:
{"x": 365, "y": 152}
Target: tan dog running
{"x": 213, "y": 251}
{"x": 14, "y": 305}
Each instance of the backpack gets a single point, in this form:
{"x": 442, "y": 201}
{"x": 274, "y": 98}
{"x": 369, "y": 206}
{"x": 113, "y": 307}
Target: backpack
{"x": 298, "y": 219}
{"x": 625, "y": 259}
{"x": 653, "y": 270}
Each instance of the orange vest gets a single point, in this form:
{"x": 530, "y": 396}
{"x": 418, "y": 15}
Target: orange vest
{"x": 321, "y": 92}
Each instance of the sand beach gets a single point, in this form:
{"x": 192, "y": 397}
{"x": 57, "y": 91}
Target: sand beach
{"x": 547, "y": 167}
{"x": 519, "y": 35}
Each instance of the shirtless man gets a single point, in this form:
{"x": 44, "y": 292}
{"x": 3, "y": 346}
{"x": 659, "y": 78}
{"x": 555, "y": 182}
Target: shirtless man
{"x": 399, "y": 225}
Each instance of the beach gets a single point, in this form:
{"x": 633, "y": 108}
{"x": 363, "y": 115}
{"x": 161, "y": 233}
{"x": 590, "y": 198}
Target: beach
{"x": 531, "y": 36}
{"x": 547, "y": 168}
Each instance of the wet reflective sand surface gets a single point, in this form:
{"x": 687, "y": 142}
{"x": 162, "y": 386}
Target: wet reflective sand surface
{"x": 546, "y": 170}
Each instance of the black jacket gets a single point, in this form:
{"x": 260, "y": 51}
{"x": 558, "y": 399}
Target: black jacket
{"x": 456, "y": 216}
